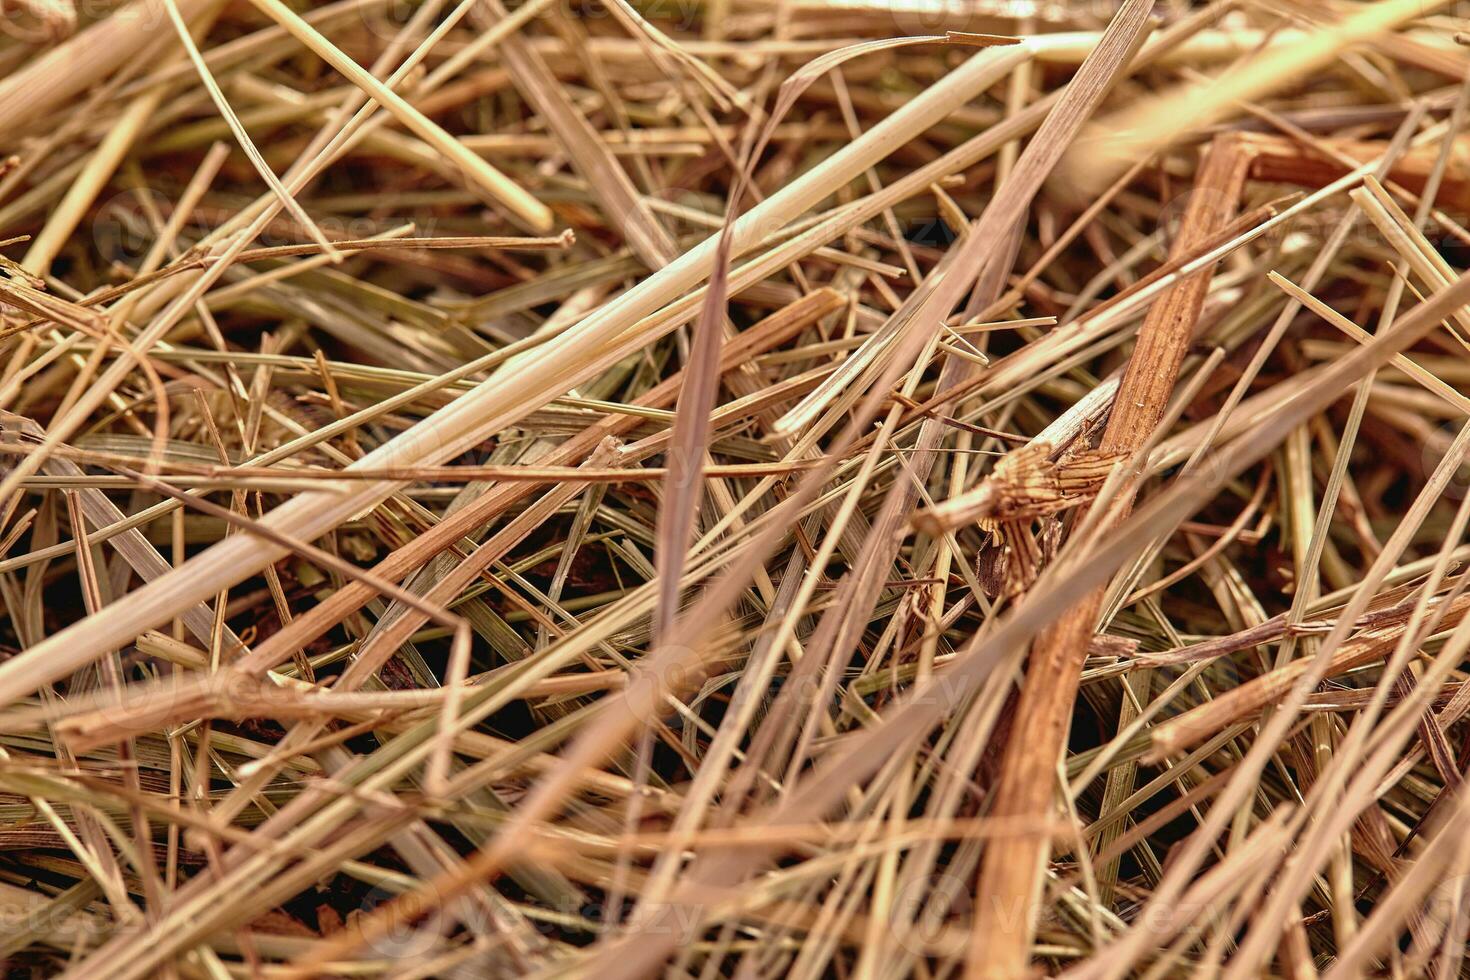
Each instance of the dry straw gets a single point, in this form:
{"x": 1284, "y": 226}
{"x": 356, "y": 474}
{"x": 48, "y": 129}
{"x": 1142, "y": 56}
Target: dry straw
{"x": 750, "y": 489}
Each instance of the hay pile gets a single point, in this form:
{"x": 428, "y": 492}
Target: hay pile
{"x": 818, "y": 488}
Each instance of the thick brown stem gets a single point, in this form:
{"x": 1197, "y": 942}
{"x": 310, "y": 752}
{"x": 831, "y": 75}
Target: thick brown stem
{"x": 1011, "y": 877}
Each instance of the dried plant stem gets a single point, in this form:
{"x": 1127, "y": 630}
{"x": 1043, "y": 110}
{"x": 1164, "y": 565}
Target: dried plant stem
{"x": 1011, "y": 878}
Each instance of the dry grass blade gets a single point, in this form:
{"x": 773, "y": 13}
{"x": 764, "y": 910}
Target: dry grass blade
{"x": 482, "y": 175}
